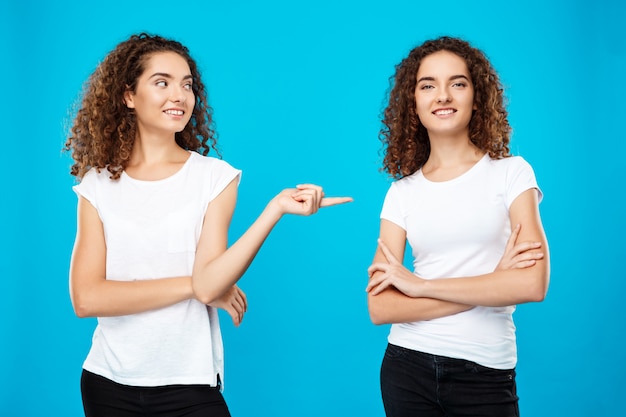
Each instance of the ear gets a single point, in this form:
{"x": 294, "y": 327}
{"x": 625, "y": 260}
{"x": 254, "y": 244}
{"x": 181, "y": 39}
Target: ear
{"x": 128, "y": 99}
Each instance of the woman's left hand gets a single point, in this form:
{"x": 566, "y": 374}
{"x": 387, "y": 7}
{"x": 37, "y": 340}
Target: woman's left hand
{"x": 234, "y": 302}
{"x": 519, "y": 255}
{"x": 394, "y": 274}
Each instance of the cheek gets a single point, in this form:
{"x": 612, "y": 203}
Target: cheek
{"x": 189, "y": 115}
{"x": 421, "y": 104}
{"x": 422, "y": 113}
{"x": 472, "y": 100}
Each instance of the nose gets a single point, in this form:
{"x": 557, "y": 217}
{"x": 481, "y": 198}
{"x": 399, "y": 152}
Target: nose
{"x": 178, "y": 94}
{"x": 443, "y": 96}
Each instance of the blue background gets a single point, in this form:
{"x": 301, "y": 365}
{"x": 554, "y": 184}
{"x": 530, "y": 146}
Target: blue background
{"x": 297, "y": 89}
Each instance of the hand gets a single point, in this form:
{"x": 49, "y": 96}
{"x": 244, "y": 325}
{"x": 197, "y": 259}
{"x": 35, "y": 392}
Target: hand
{"x": 519, "y": 255}
{"x": 306, "y": 199}
{"x": 234, "y": 302}
{"x": 394, "y": 275}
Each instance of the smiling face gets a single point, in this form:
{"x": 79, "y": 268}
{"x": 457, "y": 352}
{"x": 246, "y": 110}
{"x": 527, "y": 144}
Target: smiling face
{"x": 444, "y": 94}
{"x": 163, "y": 99}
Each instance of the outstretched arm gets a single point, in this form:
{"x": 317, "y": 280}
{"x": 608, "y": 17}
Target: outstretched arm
{"x": 93, "y": 295}
{"x": 217, "y": 268}
{"x": 499, "y": 288}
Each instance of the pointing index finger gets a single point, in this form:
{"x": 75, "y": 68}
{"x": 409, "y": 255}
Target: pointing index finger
{"x": 333, "y": 201}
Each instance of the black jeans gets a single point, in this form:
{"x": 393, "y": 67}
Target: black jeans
{"x": 105, "y": 398}
{"x": 418, "y": 384}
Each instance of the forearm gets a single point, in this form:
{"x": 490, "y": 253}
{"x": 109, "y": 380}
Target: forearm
{"x": 105, "y": 298}
{"x": 212, "y": 279}
{"x": 391, "y": 306}
{"x": 496, "y": 289}
{"x": 502, "y": 287}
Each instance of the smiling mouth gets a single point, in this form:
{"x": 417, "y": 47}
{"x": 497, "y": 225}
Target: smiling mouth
{"x": 174, "y": 112}
{"x": 443, "y": 112}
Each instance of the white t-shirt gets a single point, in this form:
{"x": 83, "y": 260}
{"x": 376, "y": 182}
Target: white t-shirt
{"x": 459, "y": 228}
{"x": 151, "y": 230}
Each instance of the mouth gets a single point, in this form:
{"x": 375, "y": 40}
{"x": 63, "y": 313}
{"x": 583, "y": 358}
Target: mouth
{"x": 174, "y": 112}
{"x": 443, "y": 112}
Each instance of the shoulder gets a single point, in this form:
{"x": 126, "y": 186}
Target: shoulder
{"x": 511, "y": 161}
{"x": 94, "y": 183}
{"x": 95, "y": 176}
{"x": 518, "y": 176}
{"x": 211, "y": 174}
{"x": 208, "y": 163}
{"x": 408, "y": 182}
{"x": 510, "y": 164}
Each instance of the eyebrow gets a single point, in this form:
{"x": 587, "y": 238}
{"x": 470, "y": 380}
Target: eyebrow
{"x": 454, "y": 77}
{"x": 166, "y": 75}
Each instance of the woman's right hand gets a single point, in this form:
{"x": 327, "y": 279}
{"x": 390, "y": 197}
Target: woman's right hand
{"x": 305, "y": 199}
{"x": 234, "y": 302}
{"x": 519, "y": 255}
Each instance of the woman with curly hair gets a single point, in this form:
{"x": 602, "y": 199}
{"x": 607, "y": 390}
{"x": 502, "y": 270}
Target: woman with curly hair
{"x": 469, "y": 211}
{"x": 151, "y": 259}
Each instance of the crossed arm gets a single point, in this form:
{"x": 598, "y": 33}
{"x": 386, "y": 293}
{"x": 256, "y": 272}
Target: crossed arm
{"x": 216, "y": 269}
{"x": 396, "y": 295}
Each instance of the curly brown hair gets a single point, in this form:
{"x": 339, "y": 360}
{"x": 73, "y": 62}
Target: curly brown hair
{"x": 406, "y": 146}
{"x": 104, "y": 128}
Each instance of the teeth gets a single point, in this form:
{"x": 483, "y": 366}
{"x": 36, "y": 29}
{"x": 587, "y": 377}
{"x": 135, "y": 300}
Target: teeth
{"x": 444, "y": 112}
{"x": 174, "y": 112}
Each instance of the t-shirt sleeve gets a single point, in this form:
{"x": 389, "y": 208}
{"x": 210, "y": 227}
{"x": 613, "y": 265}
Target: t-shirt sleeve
{"x": 222, "y": 175}
{"x": 392, "y": 209}
{"x": 520, "y": 177}
{"x": 87, "y": 187}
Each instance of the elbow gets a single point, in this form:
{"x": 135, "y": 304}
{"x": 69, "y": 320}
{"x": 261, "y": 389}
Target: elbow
{"x": 81, "y": 314}
{"x": 539, "y": 294}
{"x": 536, "y": 297}
{"x": 205, "y": 299}
{"x": 85, "y": 302}
{"x": 84, "y": 298}
{"x": 539, "y": 290}
{"x": 377, "y": 319}
{"x": 204, "y": 295}
{"x": 377, "y": 314}
{"x": 203, "y": 291}
{"x": 82, "y": 309}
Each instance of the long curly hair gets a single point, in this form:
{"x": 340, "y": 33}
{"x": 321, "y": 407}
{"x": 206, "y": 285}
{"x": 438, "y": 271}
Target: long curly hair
{"x": 104, "y": 128}
{"x": 406, "y": 146}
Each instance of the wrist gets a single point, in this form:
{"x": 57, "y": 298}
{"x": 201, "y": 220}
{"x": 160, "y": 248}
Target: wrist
{"x": 274, "y": 210}
{"x": 189, "y": 291}
{"x": 427, "y": 289}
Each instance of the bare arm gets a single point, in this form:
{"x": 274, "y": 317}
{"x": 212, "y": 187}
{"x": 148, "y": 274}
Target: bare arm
{"x": 93, "y": 295}
{"x": 392, "y": 306}
{"x": 499, "y": 288}
{"x": 217, "y": 268}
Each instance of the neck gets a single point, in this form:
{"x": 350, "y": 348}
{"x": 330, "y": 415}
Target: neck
{"x": 154, "y": 149}
{"x": 452, "y": 150}
{"x": 153, "y": 159}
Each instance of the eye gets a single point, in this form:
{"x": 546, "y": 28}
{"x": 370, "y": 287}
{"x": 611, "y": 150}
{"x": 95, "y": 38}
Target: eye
{"x": 188, "y": 86}
{"x": 161, "y": 83}
{"x": 426, "y": 87}
{"x": 459, "y": 84}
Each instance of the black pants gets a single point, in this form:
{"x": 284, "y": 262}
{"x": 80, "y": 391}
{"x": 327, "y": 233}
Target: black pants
{"x": 105, "y": 398}
{"x": 416, "y": 384}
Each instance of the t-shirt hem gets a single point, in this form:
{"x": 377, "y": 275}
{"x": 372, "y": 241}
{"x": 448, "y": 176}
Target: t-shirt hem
{"x": 154, "y": 382}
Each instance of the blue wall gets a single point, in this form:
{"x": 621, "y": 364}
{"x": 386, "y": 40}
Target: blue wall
{"x": 297, "y": 89}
